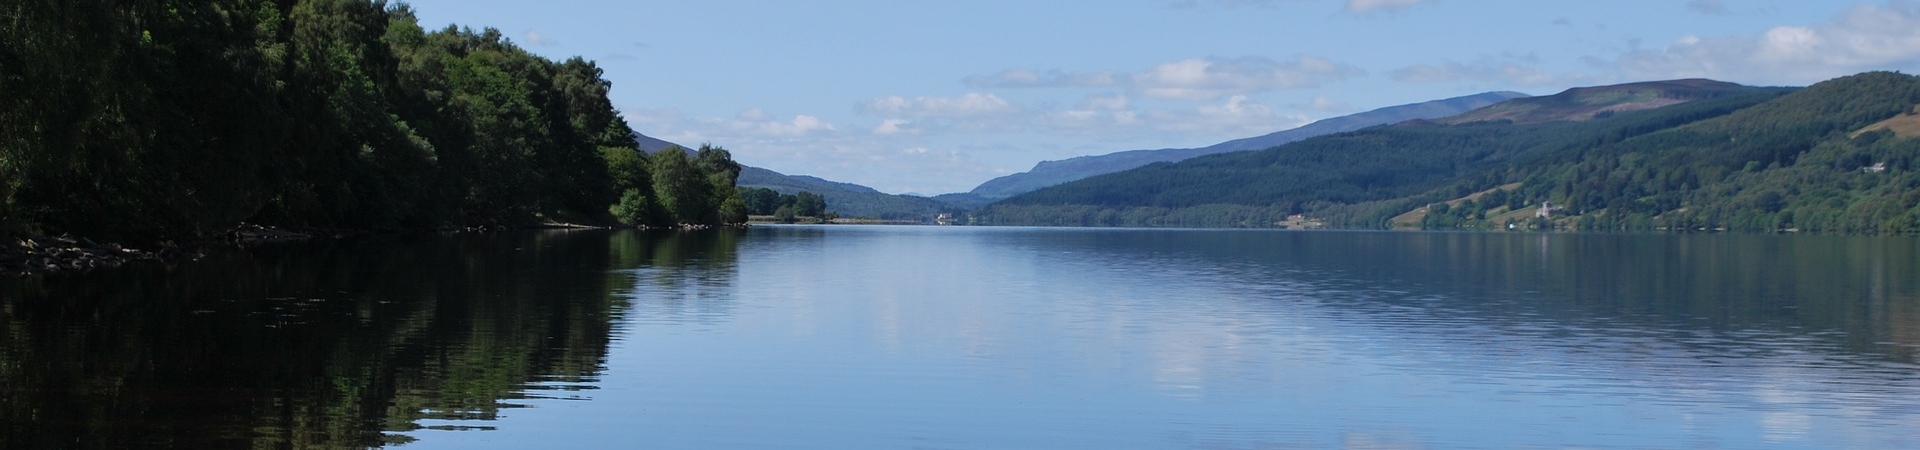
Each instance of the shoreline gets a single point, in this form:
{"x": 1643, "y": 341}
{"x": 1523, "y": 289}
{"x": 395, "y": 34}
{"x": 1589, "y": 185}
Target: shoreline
{"x": 26, "y": 254}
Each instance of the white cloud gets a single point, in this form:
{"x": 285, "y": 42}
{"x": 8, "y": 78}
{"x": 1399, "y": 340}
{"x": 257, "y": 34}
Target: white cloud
{"x": 1786, "y": 44}
{"x": 1239, "y": 116}
{"x": 807, "y": 145}
{"x": 895, "y": 126}
{"x": 1214, "y": 77}
{"x": 1372, "y": 6}
{"x": 1324, "y": 104}
{"x": 1238, "y": 108}
{"x": 1865, "y": 38}
{"x": 1098, "y": 113}
{"x": 968, "y": 105}
{"x": 756, "y": 122}
{"x": 534, "y": 38}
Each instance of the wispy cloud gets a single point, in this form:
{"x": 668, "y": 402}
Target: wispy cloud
{"x": 1323, "y": 103}
{"x": 967, "y": 105}
{"x": 895, "y": 126}
{"x": 1238, "y": 116}
{"x": 1212, "y": 78}
{"x": 803, "y": 144}
{"x": 1099, "y": 112}
{"x": 757, "y": 122}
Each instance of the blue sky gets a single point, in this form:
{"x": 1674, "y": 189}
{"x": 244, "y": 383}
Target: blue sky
{"x": 936, "y": 97}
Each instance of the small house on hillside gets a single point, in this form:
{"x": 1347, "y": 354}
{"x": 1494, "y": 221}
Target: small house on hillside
{"x": 1546, "y": 210}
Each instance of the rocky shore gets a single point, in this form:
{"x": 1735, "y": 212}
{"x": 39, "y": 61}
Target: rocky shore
{"x": 33, "y": 255}
{"x": 28, "y": 254}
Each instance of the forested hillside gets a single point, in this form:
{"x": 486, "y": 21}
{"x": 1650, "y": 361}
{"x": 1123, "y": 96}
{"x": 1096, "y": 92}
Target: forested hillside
{"x": 177, "y": 119}
{"x": 1050, "y": 173}
{"x": 1750, "y": 159}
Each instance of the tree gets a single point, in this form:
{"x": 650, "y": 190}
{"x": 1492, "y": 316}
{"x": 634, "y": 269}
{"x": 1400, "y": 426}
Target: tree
{"x": 717, "y": 163}
{"x": 683, "y": 191}
{"x": 809, "y": 204}
{"x": 176, "y": 119}
{"x": 760, "y": 201}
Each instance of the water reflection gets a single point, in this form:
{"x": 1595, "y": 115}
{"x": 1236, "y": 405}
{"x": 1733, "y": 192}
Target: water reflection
{"x": 898, "y": 337}
{"x": 1814, "y": 336}
{"x": 1860, "y": 290}
{"x": 344, "y": 344}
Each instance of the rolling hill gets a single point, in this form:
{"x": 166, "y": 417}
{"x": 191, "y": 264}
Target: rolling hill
{"x": 1685, "y": 154}
{"x": 1579, "y": 104}
{"x": 1049, "y": 173}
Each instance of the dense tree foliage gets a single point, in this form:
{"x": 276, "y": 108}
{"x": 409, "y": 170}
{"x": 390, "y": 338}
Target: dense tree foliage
{"x": 784, "y": 207}
{"x": 1763, "y": 160}
{"x": 174, "y": 118}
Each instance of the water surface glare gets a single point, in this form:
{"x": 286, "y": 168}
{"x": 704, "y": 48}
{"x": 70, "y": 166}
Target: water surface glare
{"x": 1002, "y": 338}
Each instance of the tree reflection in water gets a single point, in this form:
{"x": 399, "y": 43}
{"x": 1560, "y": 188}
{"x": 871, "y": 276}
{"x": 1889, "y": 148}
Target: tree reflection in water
{"x": 340, "y": 344}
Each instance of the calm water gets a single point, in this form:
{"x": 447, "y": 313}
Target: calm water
{"x": 979, "y": 338}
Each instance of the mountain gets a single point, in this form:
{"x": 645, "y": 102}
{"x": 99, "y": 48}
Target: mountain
{"x": 651, "y": 144}
{"x": 1690, "y": 155}
{"x": 847, "y": 199}
{"x": 1049, "y": 173}
{"x": 1579, "y": 104}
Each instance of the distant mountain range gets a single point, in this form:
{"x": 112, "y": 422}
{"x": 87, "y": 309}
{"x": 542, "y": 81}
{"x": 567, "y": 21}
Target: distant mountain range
{"x": 1664, "y": 154}
{"x": 1049, "y": 173}
{"x": 1840, "y": 156}
{"x": 854, "y": 200}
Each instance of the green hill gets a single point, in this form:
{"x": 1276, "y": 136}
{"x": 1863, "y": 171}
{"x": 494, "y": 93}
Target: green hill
{"x": 1714, "y": 156}
{"x": 1050, "y": 173}
{"x": 1580, "y": 104}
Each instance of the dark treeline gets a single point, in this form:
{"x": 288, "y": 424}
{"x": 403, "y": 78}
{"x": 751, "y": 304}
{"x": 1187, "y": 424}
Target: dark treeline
{"x": 178, "y": 119}
{"x": 1764, "y": 160}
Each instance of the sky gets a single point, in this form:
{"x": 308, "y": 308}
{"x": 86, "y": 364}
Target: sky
{"x": 930, "y": 97}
